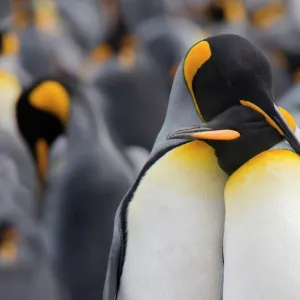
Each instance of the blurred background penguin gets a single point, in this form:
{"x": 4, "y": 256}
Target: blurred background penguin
{"x": 84, "y": 89}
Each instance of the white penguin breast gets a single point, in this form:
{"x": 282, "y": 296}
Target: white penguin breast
{"x": 175, "y": 229}
{"x": 9, "y": 93}
{"x": 262, "y": 229}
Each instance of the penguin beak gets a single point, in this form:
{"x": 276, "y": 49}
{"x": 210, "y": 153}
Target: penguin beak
{"x": 222, "y": 127}
{"x": 204, "y": 133}
{"x": 285, "y": 130}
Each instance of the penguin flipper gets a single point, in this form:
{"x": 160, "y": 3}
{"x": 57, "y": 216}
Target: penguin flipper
{"x": 117, "y": 251}
{"x": 115, "y": 259}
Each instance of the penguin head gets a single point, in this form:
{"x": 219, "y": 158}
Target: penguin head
{"x": 230, "y": 83}
{"x": 42, "y": 112}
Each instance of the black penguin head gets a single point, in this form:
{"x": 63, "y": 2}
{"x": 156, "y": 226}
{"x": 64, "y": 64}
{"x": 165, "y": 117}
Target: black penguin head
{"x": 42, "y": 113}
{"x": 230, "y": 82}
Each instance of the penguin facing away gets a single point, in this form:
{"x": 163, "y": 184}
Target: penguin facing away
{"x": 84, "y": 195}
{"x": 170, "y": 224}
{"x": 83, "y": 200}
{"x": 42, "y": 114}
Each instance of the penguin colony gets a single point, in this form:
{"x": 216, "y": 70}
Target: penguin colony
{"x": 149, "y": 150}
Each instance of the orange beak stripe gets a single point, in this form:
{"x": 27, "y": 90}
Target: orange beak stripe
{"x": 221, "y": 135}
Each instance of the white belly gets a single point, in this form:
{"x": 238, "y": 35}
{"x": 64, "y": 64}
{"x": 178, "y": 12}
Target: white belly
{"x": 9, "y": 93}
{"x": 175, "y": 229}
{"x": 262, "y": 229}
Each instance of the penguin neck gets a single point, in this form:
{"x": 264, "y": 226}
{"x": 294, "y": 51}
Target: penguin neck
{"x": 176, "y": 211}
{"x": 264, "y": 160}
{"x": 271, "y": 166}
{"x": 196, "y": 158}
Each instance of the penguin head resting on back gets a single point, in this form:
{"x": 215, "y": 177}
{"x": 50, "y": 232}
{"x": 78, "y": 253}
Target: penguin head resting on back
{"x": 230, "y": 82}
{"x": 42, "y": 112}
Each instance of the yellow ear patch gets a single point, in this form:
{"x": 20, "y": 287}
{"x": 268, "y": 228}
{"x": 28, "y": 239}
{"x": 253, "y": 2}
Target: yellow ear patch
{"x": 259, "y": 110}
{"x": 11, "y": 44}
{"x": 288, "y": 118}
{"x": 195, "y": 58}
{"x": 286, "y": 115}
{"x": 50, "y": 96}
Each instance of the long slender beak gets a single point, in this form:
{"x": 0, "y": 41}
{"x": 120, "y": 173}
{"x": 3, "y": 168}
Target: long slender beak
{"x": 222, "y": 127}
{"x": 286, "y": 130}
{"x": 203, "y": 133}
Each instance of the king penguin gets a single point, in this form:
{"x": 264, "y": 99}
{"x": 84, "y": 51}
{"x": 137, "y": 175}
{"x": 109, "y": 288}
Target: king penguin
{"x": 42, "y": 112}
{"x": 83, "y": 200}
{"x": 168, "y": 230}
{"x": 262, "y": 225}
{"x": 261, "y": 203}
{"x": 261, "y": 194}
{"x": 81, "y": 193}
{"x": 25, "y": 272}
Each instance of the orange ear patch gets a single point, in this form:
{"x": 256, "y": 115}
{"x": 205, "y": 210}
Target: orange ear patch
{"x": 286, "y": 115}
{"x": 259, "y": 110}
{"x": 52, "y": 97}
{"x": 288, "y": 118}
{"x": 195, "y": 58}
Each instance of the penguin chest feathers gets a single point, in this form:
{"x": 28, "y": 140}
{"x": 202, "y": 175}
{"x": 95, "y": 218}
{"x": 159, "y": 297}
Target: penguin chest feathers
{"x": 175, "y": 228}
{"x": 262, "y": 228}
